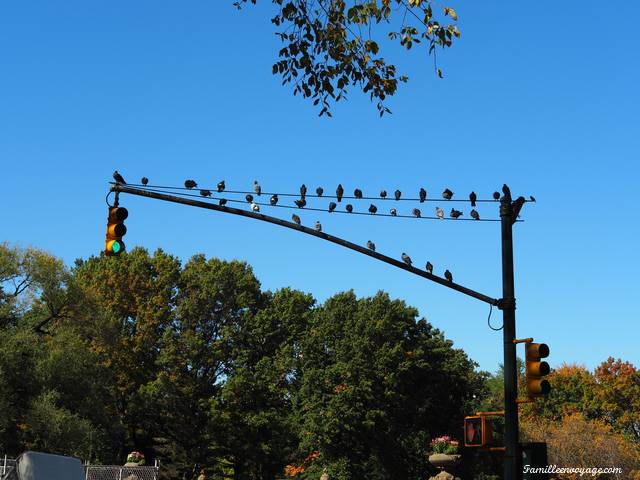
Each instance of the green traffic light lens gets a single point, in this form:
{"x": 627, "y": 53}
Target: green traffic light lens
{"x": 116, "y": 247}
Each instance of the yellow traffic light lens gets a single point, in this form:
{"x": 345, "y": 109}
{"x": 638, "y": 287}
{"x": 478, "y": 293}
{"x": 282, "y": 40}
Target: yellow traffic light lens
{"x": 116, "y": 230}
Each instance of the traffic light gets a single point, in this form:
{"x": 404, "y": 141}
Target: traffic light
{"x": 535, "y": 369}
{"x": 115, "y": 231}
{"x": 478, "y": 431}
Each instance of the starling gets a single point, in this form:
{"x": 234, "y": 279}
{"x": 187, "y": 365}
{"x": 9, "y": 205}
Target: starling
{"x": 300, "y": 203}
{"x": 448, "y": 276}
{"x": 295, "y": 218}
{"x": 205, "y": 193}
{"x": 383, "y": 194}
{"x": 373, "y": 209}
{"x": 349, "y": 207}
{"x": 398, "y": 194}
{"x": 144, "y": 180}
{"x": 474, "y": 214}
{"x": 357, "y": 193}
{"x": 257, "y": 188}
{"x": 506, "y": 190}
{"x": 190, "y": 184}
{"x": 496, "y": 196}
{"x": 319, "y": 191}
{"x": 417, "y": 213}
{"x": 339, "y": 192}
{"x": 422, "y": 194}
{"x": 255, "y": 208}
{"x": 332, "y": 206}
{"x": 303, "y": 190}
{"x": 532, "y": 198}
{"x": 393, "y": 212}
{"x": 455, "y": 213}
{"x": 439, "y": 213}
{"x": 222, "y": 202}
{"x": 118, "y": 178}
{"x": 473, "y": 197}
{"x": 429, "y": 267}
{"x": 249, "y": 198}
{"x": 447, "y": 194}
{"x": 274, "y": 199}
{"x": 371, "y": 246}
{"x": 221, "y": 186}
{"x": 318, "y": 226}
{"x": 406, "y": 259}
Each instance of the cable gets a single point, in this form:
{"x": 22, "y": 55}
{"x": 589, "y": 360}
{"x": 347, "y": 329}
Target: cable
{"x": 489, "y": 320}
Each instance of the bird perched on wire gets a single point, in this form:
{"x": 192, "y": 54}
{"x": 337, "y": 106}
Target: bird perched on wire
{"x": 474, "y": 214}
{"x": 532, "y": 198}
{"x": 473, "y": 197}
{"x": 339, "y": 192}
{"x": 506, "y": 191}
{"x": 257, "y": 188}
{"x": 349, "y": 207}
{"x": 221, "y": 186}
{"x": 455, "y": 213}
{"x": 222, "y": 202}
{"x": 439, "y": 213}
{"x": 118, "y": 178}
{"x": 447, "y": 194}
{"x": 255, "y": 208}
{"x": 383, "y": 194}
{"x": 429, "y": 267}
{"x": 422, "y": 194}
{"x": 416, "y": 213}
{"x": 296, "y": 219}
{"x": 448, "y": 276}
{"x": 144, "y": 181}
{"x": 397, "y": 194}
{"x": 249, "y": 198}
{"x": 319, "y": 191}
{"x": 393, "y": 212}
{"x": 318, "y": 226}
{"x": 373, "y": 209}
{"x": 190, "y": 184}
{"x": 357, "y": 193}
{"x": 303, "y": 190}
{"x": 300, "y": 203}
{"x": 274, "y": 199}
{"x": 371, "y": 246}
{"x": 496, "y": 196}
{"x": 332, "y": 206}
{"x": 406, "y": 259}
{"x": 205, "y": 193}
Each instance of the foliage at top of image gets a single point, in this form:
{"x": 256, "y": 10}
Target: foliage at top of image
{"x": 331, "y": 45}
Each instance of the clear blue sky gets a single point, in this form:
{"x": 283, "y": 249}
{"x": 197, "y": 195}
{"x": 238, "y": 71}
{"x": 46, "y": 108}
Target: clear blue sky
{"x": 542, "y": 96}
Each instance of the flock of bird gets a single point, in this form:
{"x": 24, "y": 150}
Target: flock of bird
{"x": 447, "y": 194}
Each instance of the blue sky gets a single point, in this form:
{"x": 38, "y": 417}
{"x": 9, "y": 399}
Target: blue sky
{"x": 541, "y": 96}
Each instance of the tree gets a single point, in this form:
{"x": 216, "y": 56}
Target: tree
{"x": 330, "y": 45}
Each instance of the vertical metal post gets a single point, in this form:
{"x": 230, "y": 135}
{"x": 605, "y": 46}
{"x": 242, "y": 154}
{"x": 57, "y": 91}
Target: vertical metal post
{"x": 512, "y": 470}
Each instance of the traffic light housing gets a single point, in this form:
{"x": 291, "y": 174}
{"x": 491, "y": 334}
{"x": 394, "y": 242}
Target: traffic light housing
{"x": 115, "y": 231}
{"x": 536, "y": 369}
{"x": 478, "y": 431}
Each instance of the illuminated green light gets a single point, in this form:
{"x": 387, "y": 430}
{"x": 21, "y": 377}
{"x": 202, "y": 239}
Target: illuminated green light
{"x": 116, "y": 247}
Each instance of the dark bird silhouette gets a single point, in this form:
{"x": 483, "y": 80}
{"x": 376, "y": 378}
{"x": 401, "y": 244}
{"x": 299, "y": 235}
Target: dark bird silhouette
{"x": 474, "y": 214}
{"x": 339, "y": 192}
{"x": 417, "y": 213}
{"x": 303, "y": 190}
{"x": 506, "y": 191}
{"x": 447, "y": 194}
{"x": 455, "y": 213}
{"x": 393, "y": 212}
{"x": 349, "y": 207}
{"x": 190, "y": 184}
{"x": 496, "y": 196}
{"x": 371, "y": 246}
{"x": 429, "y": 267}
{"x": 319, "y": 191}
{"x": 118, "y": 178}
{"x": 397, "y": 194}
{"x": 255, "y": 208}
{"x": 406, "y": 259}
{"x": 357, "y": 193}
{"x": 257, "y": 188}
{"x": 222, "y": 202}
{"x": 300, "y": 203}
{"x": 144, "y": 180}
{"x": 318, "y": 226}
{"x": 221, "y": 186}
{"x": 532, "y": 198}
{"x": 296, "y": 218}
{"x": 332, "y": 206}
{"x": 473, "y": 197}
{"x": 422, "y": 194}
{"x": 439, "y": 213}
{"x": 274, "y": 199}
{"x": 249, "y": 198}
{"x": 373, "y": 209}
{"x": 205, "y": 193}
{"x": 383, "y": 194}
{"x": 448, "y": 276}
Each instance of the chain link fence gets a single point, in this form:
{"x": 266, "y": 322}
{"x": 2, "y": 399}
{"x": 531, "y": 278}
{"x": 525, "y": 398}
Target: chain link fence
{"x": 92, "y": 472}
